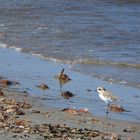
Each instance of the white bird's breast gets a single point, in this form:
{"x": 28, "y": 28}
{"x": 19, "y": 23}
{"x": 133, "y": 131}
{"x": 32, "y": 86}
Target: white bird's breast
{"x": 104, "y": 98}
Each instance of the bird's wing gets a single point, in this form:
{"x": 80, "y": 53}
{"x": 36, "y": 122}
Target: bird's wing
{"x": 114, "y": 97}
{"x": 108, "y": 94}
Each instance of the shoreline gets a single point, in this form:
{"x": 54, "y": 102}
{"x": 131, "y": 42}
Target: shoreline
{"x": 31, "y": 71}
{"x": 47, "y": 105}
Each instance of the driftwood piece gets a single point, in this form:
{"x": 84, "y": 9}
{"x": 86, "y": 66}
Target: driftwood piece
{"x": 43, "y": 86}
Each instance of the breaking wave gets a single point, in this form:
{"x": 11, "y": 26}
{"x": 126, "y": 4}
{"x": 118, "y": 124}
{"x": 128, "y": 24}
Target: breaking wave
{"x": 85, "y": 61}
{"x": 89, "y": 61}
{"x": 2, "y": 45}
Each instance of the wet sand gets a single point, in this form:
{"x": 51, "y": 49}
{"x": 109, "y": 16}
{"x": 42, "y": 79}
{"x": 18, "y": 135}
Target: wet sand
{"x": 33, "y": 113}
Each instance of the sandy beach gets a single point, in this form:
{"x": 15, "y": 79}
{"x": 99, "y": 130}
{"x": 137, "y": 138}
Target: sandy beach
{"x": 30, "y": 112}
{"x": 35, "y": 121}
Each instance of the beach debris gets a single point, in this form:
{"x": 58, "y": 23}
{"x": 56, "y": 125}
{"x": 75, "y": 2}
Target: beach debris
{"x": 115, "y": 136}
{"x": 43, "y": 86}
{"x": 12, "y": 103}
{"x": 20, "y": 112}
{"x": 47, "y": 114}
{"x": 63, "y": 78}
{"x": 67, "y": 94}
{"x": 85, "y": 120}
{"x": 11, "y": 106}
{"x": 56, "y": 131}
{"x": 35, "y": 111}
{"x": 1, "y": 93}
{"x": 85, "y": 110}
{"x": 8, "y": 101}
{"x": 137, "y": 96}
{"x": 2, "y": 125}
{"x": 129, "y": 129}
{"x": 17, "y": 129}
{"x": 130, "y": 138}
{"x": 22, "y": 123}
{"x": 116, "y": 108}
{"x": 25, "y": 105}
{"x": 89, "y": 90}
{"x": 5, "y": 82}
{"x": 10, "y": 109}
{"x": 75, "y": 111}
{"x": 95, "y": 120}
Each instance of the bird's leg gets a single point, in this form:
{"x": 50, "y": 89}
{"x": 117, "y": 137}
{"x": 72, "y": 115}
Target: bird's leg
{"x": 107, "y": 111}
{"x": 108, "y": 105}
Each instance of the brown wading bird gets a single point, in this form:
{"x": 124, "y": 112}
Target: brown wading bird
{"x": 106, "y": 96}
{"x": 63, "y": 78}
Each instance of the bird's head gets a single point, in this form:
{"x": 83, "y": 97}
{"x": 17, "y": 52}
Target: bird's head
{"x": 100, "y": 89}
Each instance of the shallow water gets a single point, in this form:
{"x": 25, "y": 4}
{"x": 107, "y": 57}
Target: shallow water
{"x": 30, "y": 71}
{"x": 99, "y": 38}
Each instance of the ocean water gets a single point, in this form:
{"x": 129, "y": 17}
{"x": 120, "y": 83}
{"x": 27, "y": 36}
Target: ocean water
{"x": 98, "y": 38}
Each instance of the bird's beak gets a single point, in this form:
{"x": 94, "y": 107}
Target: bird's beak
{"x": 95, "y": 90}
